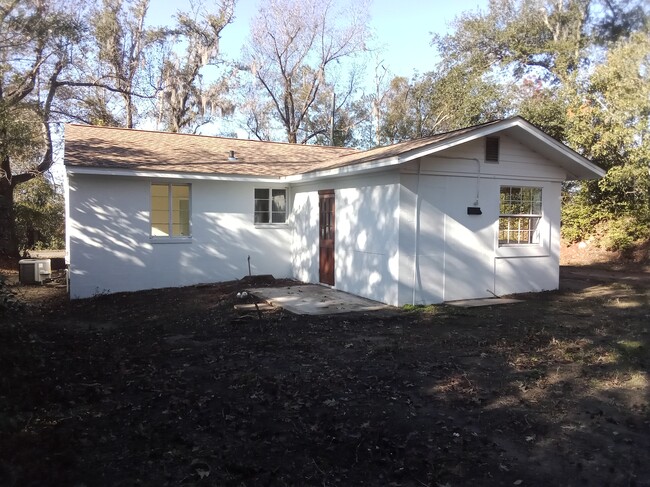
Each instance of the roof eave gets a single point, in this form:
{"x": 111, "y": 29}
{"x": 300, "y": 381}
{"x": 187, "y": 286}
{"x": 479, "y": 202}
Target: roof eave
{"x": 71, "y": 169}
{"x": 576, "y": 166}
{"x": 369, "y": 166}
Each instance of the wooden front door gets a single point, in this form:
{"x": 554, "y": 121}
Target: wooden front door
{"x": 326, "y": 228}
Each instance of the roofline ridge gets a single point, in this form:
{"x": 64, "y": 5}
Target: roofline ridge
{"x": 126, "y": 129}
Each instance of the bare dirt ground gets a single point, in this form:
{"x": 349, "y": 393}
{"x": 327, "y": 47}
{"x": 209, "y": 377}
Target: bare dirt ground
{"x": 174, "y": 386}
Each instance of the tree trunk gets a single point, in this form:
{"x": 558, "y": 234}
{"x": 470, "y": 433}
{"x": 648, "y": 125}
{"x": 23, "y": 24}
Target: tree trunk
{"x": 8, "y": 241}
{"x": 129, "y": 111}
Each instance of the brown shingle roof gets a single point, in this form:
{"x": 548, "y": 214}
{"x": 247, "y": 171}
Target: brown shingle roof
{"x": 108, "y": 147}
{"x": 393, "y": 150}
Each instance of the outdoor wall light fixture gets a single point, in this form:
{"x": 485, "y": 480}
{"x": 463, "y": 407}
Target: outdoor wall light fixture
{"x": 232, "y": 156}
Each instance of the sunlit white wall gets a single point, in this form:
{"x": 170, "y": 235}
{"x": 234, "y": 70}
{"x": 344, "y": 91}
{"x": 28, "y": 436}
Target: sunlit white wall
{"x": 111, "y": 249}
{"x": 367, "y": 228}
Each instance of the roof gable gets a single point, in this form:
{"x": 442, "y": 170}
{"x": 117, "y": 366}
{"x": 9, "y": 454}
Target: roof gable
{"x": 577, "y": 166}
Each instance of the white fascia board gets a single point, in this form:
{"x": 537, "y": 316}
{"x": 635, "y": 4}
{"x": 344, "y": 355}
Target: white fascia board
{"x": 168, "y": 175}
{"x": 397, "y": 160}
{"x": 564, "y": 150}
{"x": 375, "y": 165}
{"x": 573, "y": 156}
{"x": 458, "y": 140}
{"x": 370, "y": 166}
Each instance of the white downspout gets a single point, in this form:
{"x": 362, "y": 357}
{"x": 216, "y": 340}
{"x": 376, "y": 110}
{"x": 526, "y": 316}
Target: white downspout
{"x": 416, "y": 226}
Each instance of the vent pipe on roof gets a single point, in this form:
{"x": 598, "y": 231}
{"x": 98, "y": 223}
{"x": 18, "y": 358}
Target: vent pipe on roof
{"x": 232, "y": 156}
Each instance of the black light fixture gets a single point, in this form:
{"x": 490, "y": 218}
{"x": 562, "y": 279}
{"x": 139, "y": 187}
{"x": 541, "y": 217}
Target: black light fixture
{"x": 474, "y": 210}
{"x": 232, "y": 156}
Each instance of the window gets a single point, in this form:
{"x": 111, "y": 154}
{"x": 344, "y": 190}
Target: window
{"x": 520, "y": 212}
{"x": 170, "y": 210}
{"x": 492, "y": 149}
{"x": 270, "y": 205}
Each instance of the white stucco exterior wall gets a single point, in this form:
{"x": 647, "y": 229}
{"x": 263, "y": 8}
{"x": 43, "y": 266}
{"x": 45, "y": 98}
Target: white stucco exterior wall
{"x": 366, "y": 241}
{"x": 111, "y": 249}
{"x": 387, "y": 248}
{"x": 458, "y": 255}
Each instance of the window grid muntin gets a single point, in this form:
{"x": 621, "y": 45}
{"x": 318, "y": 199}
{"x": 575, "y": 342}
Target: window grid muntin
{"x": 520, "y": 212}
{"x": 270, "y": 206}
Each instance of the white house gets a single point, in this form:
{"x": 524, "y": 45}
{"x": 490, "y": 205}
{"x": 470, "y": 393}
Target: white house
{"x": 465, "y": 214}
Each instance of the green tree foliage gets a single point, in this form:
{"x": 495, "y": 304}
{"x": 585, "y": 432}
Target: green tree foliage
{"x": 40, "y": 215}
{"x": 610, "y": 122}
{"x": 38, "y": 44}
{"x": 438, "y": 102}
{"x": 544, "y": 38}
{"x": 579, "y": 70}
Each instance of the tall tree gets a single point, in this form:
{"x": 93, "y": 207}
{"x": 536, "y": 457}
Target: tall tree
{"x": 122, "y": 41}
{"x": 40, "y": 215}
{"x": 292, "y": 49}
{"x": 186, "y": 100}
{"x": 37, "y": 44}
{"x": 439, "y": 102}
{"x": 545, "y": 37}
{"x": 578, "y": 70}
{"x": 548, "y": 44}
{"x": 610, "y": 123}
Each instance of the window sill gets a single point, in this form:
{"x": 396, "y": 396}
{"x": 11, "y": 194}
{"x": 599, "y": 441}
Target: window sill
{"x": 522, "y": 250}
{"x": 271, "y": 225}
{"x": 170, "y": 240}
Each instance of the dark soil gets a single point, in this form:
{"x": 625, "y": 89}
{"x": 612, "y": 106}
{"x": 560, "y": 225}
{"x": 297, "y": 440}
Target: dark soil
{"x": 174, "y": 386}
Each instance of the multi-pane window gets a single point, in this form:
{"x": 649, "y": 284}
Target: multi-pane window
{"x": 520, "y": 212}
{"x": 270, "y": 205}
{"x": 170, "y": 210}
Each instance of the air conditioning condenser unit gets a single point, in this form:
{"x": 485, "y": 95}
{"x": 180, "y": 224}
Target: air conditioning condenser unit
{"x": 32, "y": 271}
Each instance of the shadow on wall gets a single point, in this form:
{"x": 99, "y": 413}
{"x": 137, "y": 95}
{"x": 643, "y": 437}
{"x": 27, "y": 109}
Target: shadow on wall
{"x": 305, "y": 239}
{"x": 111, "y": 249}
{"x": 233, "y": 237}
{"x": 367, "y": 241}
{"x": 115, "y": 237}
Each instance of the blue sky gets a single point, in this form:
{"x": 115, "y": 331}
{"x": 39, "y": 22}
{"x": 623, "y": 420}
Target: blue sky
{"x": 402, "y": 28}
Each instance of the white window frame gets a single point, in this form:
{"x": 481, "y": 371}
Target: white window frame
{"x": 171, "y": 238}
{"x": 270, "y": 213}
{"x": 534, "y": 234}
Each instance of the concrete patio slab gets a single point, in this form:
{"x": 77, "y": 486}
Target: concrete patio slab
{"x": 475, "y": 303}
{"x": 312, "y": 299}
